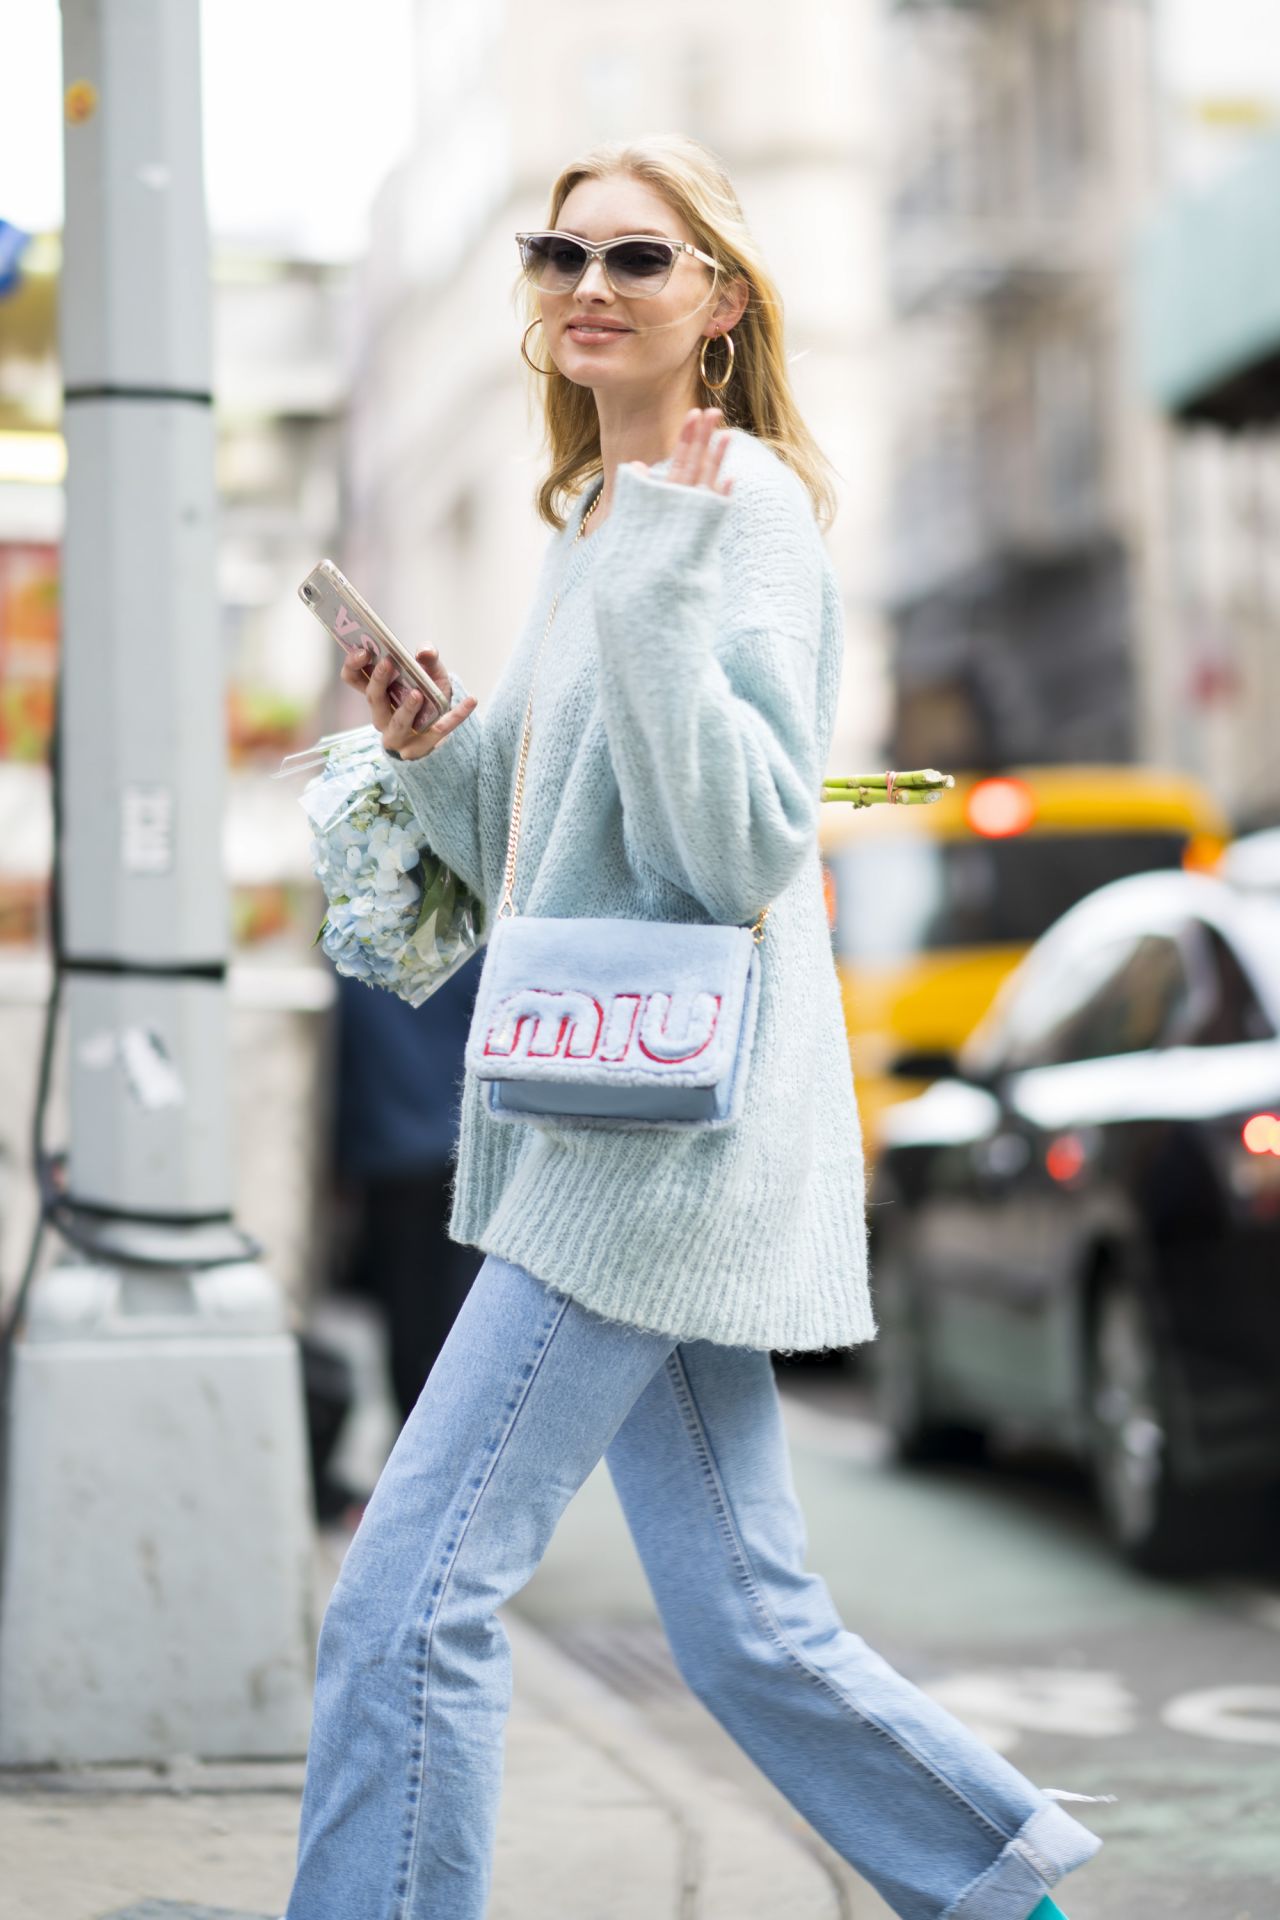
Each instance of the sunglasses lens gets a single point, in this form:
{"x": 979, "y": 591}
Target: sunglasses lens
{"x": 555, "y": 264}
{"x": 640, "y": 266}
{"x": 552, "y": 262}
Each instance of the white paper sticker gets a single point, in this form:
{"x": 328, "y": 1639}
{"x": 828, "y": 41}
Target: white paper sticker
{"x": 146, "y": 829}
{"x": 149, "y": 1073}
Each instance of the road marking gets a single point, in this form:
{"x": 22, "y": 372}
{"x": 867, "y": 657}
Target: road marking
{"x": 1221, "y": 1713}
{"x": 1000, "y": 1704}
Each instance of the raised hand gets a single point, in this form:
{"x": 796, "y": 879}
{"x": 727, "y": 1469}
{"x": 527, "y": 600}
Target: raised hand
{"x": 699, "y": 451}
{"x": 395, "y": 724}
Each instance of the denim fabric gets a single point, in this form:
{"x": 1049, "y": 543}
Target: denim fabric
{"x": 413, "y": 1680}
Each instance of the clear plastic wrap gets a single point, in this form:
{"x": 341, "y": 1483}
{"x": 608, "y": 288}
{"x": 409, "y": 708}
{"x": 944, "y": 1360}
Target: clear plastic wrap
{"x": 398, "y": 917}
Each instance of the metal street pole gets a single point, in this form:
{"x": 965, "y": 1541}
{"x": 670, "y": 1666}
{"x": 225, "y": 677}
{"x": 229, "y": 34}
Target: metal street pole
{"x": 156, "y": 1568}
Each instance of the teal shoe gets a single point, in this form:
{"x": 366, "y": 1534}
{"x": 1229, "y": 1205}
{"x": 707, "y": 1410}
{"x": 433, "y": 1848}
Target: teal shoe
{"x": 1046, "y": 1911}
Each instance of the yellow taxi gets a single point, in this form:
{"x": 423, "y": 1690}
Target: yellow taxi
{"x": 931, "y": 906}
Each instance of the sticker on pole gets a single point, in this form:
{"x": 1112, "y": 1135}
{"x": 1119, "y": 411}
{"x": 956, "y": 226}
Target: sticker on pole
{"x": 149, "y": 1073}
{"x": 146, "y": 829}
{"x": 80, "y": 102}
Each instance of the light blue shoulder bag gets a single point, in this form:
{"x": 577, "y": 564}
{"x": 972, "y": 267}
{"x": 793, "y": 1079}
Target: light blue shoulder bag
{"x": 623, "y": 1023}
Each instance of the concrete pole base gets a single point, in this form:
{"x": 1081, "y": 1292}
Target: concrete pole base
{"x": 155, "y": 1596}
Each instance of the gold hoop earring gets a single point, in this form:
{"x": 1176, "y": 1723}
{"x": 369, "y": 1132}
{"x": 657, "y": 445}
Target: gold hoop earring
{"x": 716, "y": 386}
{"x": 546, "y": 372}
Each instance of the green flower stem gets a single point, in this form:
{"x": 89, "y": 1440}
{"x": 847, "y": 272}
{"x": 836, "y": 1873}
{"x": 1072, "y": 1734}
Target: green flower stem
{"x": 868, "y": 797}
{"x": 918, "y": 788}
{"x": 925, "y": 777}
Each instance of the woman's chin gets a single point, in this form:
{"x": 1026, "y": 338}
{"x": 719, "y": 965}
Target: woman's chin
{"x": 599, "y": 379}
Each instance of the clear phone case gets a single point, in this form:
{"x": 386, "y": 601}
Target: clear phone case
{"x": 351, "y": 620}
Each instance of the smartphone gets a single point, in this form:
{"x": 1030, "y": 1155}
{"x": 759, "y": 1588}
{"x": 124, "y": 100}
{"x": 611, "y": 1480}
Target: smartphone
{"x": 354, "y": 625}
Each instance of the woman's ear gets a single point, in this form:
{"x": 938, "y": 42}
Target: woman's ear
{"x": 732, "y": 304}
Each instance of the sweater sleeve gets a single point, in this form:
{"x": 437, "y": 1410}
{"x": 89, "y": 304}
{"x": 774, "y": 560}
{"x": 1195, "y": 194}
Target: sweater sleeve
{"x": 443, "y": 790}
{"x": 708, "y": 620}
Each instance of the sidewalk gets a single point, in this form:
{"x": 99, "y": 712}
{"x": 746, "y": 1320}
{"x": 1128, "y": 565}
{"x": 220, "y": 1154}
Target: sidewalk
{"x": 600, "y": 1821}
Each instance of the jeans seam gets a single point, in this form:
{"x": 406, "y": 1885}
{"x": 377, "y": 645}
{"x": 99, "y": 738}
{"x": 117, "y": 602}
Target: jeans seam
{"x": 418, "y": 1767}
{"x": 751, "y": 1585}
{"x": 1034, "y": 1859}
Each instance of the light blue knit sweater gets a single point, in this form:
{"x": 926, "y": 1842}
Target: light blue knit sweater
{"x": 682, "y": 719}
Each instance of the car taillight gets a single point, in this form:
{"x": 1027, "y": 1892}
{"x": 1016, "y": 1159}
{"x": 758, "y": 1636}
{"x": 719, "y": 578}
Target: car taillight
{"x": 1261, "y": 1134}
{"x": 829, "y": 896}
{"x": 1065, "y": 1158}
{"x": 1254, "y": 1174}
{"x": 1203, "y": 853}
{"x": 999, "y": 809}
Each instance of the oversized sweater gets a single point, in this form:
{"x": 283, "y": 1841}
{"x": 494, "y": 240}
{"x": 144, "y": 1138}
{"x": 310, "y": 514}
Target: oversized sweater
{"x": 682, "y": 718}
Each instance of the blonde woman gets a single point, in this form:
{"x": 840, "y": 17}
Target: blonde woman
{"x": 636, "y": 1278}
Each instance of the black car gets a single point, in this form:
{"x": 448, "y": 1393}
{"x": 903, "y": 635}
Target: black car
{"x": 1076, "y": 1231}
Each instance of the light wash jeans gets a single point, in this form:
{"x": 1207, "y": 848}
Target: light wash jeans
{"x": 413, "y": 1679}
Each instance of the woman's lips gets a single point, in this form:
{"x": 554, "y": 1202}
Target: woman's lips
{"x": 592, "y": 334}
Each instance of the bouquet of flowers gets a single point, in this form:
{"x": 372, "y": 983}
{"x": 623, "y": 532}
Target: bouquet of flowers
{"x": 397, "y": 917}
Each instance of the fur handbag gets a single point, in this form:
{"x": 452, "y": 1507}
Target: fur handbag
{"x": 623, "y": 1022}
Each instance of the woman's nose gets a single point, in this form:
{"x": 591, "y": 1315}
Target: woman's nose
{"x": 600, "y": 283}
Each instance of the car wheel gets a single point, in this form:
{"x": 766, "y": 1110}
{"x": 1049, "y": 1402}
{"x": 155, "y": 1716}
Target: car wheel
{"x": 903, "y": 1403}
{"x": 1152, "y": 1517}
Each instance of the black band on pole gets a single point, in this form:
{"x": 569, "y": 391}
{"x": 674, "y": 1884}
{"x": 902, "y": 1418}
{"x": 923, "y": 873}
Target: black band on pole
{"x": 215, "y": 970}
{"x": 110, "y": 390}
{"x": 136, "y": 1217}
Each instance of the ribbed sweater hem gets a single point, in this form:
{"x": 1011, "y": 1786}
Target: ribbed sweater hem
{"x": 692, "y": 1289}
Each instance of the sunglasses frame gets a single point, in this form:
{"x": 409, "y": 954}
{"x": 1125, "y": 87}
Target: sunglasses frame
{"x": 602, "y": 252}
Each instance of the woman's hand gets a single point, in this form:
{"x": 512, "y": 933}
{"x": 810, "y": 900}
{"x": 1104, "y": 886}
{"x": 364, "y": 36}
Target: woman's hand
{"x": 395, "y": 724}
{"x": 699, "y": 451}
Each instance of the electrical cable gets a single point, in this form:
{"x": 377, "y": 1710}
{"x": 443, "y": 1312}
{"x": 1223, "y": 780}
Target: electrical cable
{"x": 55, "y": 1207}
{"x": 41, "y": 1161}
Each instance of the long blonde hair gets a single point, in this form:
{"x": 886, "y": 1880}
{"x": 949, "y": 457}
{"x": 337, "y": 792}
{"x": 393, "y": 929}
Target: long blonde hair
{"x": 758, "y": 398}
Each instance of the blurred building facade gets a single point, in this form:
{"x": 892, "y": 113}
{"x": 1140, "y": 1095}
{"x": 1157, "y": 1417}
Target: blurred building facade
{"x": 1021, "y": 158}
{"x": 280, "y": 370}
{"x": 1208, "y": 303}
{"x": 445, "y": 439}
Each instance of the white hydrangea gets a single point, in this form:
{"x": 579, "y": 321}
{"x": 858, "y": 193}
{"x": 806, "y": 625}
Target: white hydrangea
{"x": 398, "y": 917}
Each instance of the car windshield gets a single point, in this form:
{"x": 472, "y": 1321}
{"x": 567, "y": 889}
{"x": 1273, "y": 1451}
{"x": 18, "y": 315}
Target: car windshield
{"x": 902, "y": 895}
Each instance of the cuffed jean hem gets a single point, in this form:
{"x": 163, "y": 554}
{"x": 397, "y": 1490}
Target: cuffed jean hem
{"x": 1047, "y": 1846}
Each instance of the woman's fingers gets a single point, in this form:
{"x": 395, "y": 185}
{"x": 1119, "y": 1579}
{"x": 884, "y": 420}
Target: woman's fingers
{"x": 379, "y": 705}
{"x": 430, "y": 661}
{"x": 395, "y": 724}
{"x": 684, "y": 461}
{"x": 699, "y": 450}
{"x": 716, "y": 451}
{"x": 416, "y": 746}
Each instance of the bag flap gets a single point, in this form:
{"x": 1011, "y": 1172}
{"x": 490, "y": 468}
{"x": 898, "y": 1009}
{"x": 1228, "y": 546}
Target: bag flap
{"x": 621, "y": 1002}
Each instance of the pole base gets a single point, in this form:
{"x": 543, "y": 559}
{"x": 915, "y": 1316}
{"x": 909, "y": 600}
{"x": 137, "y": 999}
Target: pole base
{"x": 155, "y": 1595}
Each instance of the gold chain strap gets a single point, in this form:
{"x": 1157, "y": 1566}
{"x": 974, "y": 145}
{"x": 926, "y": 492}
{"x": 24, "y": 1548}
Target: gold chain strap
{"x": 507, "y": 905}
